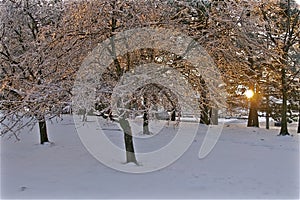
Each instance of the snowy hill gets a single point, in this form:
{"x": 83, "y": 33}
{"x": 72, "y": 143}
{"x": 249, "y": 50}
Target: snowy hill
{"x": 245, "y": 163}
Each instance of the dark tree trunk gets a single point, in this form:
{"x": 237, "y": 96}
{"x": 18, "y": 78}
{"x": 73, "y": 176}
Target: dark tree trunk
{"x": 130, "y": 154}
{"x": 43, "y": 131}
{"x": 146, "y": 118}
{"x": 204, "y": 118}
{"x": 253, "y": 115}
{"x": 268, "y": 113}
{"x": 173, "y": 115}
{"x": 128, "y": 140}
{"x": 84, "y": 115}
{"x": 253, "y": 118}
{"x": 112, "y": 40}
{"x": 146, "y": 123}
{"x": 284, "y": 129}
{"x": 298, "y": 131}
{"x": 214, "y": 116}
{"x": 267, "y": 120}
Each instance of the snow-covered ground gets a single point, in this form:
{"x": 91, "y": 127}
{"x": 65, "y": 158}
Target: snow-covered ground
{"x": 245, "y": 163}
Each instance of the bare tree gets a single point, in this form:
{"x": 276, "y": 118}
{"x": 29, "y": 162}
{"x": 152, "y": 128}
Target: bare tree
{"x": 283, "y": 33}
{"x": 118, "y": 17}
{"x": 42, "y": 55}
{"x": 114, "y": 17}
{"x": 31, "y": 82}
{"x": 248, "y": 40}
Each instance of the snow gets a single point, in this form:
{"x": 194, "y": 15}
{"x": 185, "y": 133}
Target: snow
{"x": 245, "y": 163}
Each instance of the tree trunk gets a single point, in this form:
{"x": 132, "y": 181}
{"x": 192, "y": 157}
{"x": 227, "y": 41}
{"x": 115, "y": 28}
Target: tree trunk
{"x": 284, "y": 129}
{"x": 268, "y": 113}
{"x": 146, "y": 117}
{"x": 173, "y": 115}
{"x": 253, "y": 115}
{"x": 112, "y": 40}
{"x": 84, "y": 116}
{"x": 146, "y": 123}
{"x": 267, "y": 120}
{"x": 214, "y": 116}
{"x": 130, "y": 154}
{"x": 43, "y": 131}
{"x": 298, "y": 131}
{"x": 204, "y": 118}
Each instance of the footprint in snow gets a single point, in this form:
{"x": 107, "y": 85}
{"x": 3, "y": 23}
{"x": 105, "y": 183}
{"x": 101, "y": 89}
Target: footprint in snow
{"x": 23, "y": 188}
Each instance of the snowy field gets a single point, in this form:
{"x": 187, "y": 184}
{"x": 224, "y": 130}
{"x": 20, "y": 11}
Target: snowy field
{"x": 246, "y": 163}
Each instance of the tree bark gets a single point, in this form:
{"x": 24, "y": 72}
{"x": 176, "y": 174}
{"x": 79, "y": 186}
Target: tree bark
{"x": 130, "y": 153}
{"x": 268, "y": 112}
{"x": 253, "y": 115}
{"x": 298, "y": 131}
{"x": 112, "y": 40}
{"x": 267, "y": 120}
{"x": 289, "y": 26}
{"x": 173, "y": 115}
{"x": 204, "y": 118}
{"x": 146, "y": 118}
{"x": 146, "y": 123}
{"x": 284, "y": 129}
{"x": 43, "y": 131}
{"x": 214, "y": 116}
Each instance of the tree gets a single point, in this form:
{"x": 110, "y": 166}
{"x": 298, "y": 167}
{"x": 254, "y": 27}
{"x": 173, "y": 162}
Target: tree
{"x": 152, "y": 98}
{"x": 47, "y": 51}
{"x": 248, "y": 40}
{"x": 115, "y": 16}
{"x": 231, "y": 38}
{"x": 283, "y": 34}
{"x": 31, "y": 82}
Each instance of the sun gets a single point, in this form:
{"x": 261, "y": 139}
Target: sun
{"x": 249, "y": 94}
